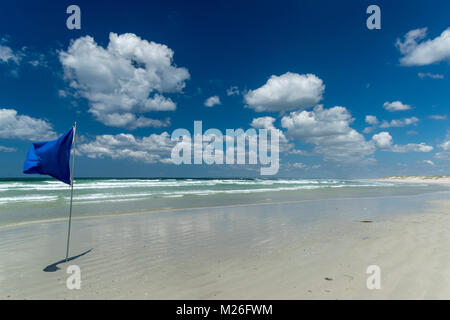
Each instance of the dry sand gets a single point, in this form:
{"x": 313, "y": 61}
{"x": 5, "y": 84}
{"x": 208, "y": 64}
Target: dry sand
{"x": 231, "y": 253}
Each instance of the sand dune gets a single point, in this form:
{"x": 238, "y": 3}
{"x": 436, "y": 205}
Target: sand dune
{"x": 444, "y": 179}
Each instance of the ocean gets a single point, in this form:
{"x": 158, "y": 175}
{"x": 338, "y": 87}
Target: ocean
{"x": 28, "y": 200}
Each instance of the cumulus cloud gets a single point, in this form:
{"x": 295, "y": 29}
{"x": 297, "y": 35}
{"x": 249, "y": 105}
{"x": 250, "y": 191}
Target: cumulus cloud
{"x": 371, "y": 120}
{"x": 158, "y": 148}
{"x": 375, "y": 123}
{"x": 419, "y": 53}
{"x": 317, "y": 123}
{"x": 399, "y": 122}
{"x": 263, "y": 123}
{"x": 384, "y": 141}
{"x": 410, "y": 40}
{"x": 330, "y": 132}
{"x": 124, "y": 80}
{"x": 15, "y": 126}
{"x": 152, "y": 149}
{"x": 396, "y": 106}
{"x": 212, "y": 101}
{"x": 286, "y": 92}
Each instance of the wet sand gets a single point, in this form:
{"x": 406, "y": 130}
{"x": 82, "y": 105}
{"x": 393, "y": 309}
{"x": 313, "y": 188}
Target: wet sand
{"x": 298, "y": 250}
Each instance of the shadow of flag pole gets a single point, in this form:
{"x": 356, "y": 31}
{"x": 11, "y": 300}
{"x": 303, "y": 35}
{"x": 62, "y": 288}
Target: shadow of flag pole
{"x": 74, "y": 141}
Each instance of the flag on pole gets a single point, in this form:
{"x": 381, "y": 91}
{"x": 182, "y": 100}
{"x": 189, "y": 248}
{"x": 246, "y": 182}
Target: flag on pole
{"x": 51, "y": 158}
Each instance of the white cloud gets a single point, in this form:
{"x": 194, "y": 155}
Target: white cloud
{"x": 212, "y": 101}
{"x": 7, "y": 149}
{"x": 317, "y": 123}
{"x": 412, "y": 147}
{"x": 151, "y": 149}
{"x": 438, "y": 117}
{"x": 300, "y": 152}
{"x": 132, "y": 122}
{"x": 396, "y": 106}
{"x": 17, "y": 56}
{"x": 330, "y": 132}
{"x": 417, "y": 53}
{"x": 232, "y": 91}
{"x": 371, "y": 120}
{"x": 399, "y": 122}
{"x": 286, "y": 92}
{"x": 157, "y": 148}
{"x": 384, "y": 141}
{"x": 429, "y": 162}
{"x": 263, "y": 123}
{"x": 14, "y": 126}
{"x": 369, "y": 129}
{"x": 299, "y": 165}
{"x": 410, "y": 40}
{"x": 422, "y": 75}
{"x": 445, "y": 145}
{"x": 7, "y": 54}
{"x": 124, "y": 80}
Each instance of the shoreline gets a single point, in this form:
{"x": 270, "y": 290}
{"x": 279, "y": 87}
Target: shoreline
{"x": 168, "y": 210}
{"x": 440, "y": 180}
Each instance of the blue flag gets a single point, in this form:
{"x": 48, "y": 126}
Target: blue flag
{"x": 51, "y": 158}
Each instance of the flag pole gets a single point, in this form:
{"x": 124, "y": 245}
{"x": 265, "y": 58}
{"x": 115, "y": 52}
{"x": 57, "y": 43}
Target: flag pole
{"x": 71, "y": 186}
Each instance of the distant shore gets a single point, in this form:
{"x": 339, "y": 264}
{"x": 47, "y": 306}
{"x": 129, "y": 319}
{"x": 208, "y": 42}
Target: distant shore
{"x": 439, "y": 179}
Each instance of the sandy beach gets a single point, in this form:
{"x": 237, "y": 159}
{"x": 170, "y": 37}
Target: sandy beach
{"x": 222, "y": 151}
{"x": 292, "y": 250}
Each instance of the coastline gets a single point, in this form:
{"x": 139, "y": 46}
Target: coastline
{"x": 261, "y": 251}
{"x": 440, "y": 180}
{"x": 205, "y": 207}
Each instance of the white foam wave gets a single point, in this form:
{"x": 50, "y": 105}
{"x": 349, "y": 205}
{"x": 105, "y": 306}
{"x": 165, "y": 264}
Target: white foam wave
{"x": 103, "y": 190}
{"x": 155, "y": 183}
{"x": 30, "y": 198}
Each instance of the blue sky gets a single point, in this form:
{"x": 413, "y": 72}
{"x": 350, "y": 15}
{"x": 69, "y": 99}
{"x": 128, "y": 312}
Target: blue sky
{"x": 310, "y": 69}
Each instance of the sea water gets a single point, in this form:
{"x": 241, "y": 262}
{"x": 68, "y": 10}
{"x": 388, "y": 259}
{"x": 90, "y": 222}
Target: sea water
{"x": 27, "y": 200}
